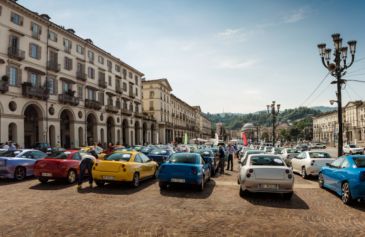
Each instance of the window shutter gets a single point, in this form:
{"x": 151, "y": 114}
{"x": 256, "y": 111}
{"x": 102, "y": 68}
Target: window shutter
{"x": 56, "y": 38}
{"x": 65, "y": 63}
{"x": 30, "y": 50}
{"x": 19, "y": 79}
{"x": 101, "y": 98}
{"x": 39, "y": 52}
{"x": 70, "y": 64}
{"x": 55, "y": 84}
{"x": 40, "y": 30}
{"x": 21, "y": 21}
{"x": 31, "y": 26}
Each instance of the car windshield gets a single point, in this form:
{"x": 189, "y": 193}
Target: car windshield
{"x": 10, "y": 153}
{"x": 266, "y": 160}
{"x": 158, "y": 152}
{"x": 292, "y": 151}
{"x": 119, "y": 157}
{"x": 359, "y": 161}
{"x": 352, "y": 146}
{"x": 184, "y": 158}
{"x": 59, "y": 155}
{"x": 319, "y": 155}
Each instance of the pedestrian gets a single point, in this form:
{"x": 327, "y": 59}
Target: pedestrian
{"x": 11, "y": 147}
{"x": 221, "y": 156}
{"x": 87, "y": 163}
{"x": 6, "y": 146}
{"x": 231, "y": 151}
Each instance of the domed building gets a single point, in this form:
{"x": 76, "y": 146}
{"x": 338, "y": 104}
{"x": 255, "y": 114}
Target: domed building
{"x": 251, "y": 132}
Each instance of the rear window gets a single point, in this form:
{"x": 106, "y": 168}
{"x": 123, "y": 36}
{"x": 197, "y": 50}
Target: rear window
{"x": 119, "y": 157}
{"x": 352, "y": 146}
{"x": 266, "y": 160}
{"x": 319, "y": 155}
{"x": 359, "y": 162}
{"x": 184, "y": 158}
{"x": 59, "y": 155}
{"x": 158, "y": 152}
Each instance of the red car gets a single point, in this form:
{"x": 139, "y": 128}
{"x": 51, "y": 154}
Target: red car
{"x": 60, "y": 165}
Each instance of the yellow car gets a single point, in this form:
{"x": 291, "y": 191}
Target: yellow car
{"x": 99, "y": 151}
{"x": 124, "y": 166}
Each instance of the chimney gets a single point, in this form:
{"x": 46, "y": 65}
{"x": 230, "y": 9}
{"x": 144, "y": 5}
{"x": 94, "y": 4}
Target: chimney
{"x": 72, "y": 31}
{"x": 45, "y": 16}
{"x": 89, "y": 41}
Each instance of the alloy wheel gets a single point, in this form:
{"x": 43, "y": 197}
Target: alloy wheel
{"x": 19, "y": 173}
{"x": 71, "y": 177}
{"x": 346, "y": 194}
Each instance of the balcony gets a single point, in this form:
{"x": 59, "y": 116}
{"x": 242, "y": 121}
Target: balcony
{"x": 81, "y": 76}
{"x": 138, "y": 115}
{"x": 126, "y": 112}
{"x": 118, "y": 89}
{"x": 92, "y": 104}
{"x": 102, "y": 83}
{"x": 68, "y": 99}
{"x": 111, "y": 109}
{"x": 4, "y": 86}
{"x": 131, "y": 94}
{"x": 53, "y": 66}
{"x": 38, "y": 92}
{"x": 16, "y": 53}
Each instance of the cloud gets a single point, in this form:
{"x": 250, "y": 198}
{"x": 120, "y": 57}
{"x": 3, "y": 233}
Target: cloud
{"x": 295, "y": 16}
{"x": 237, "y": 34}
{"x": 238, "y": 65}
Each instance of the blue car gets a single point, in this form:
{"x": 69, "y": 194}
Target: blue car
{"x": 345, "y": 176}
{"x": 184, "y": 168}
{"x": 18, "y": 164}
{"x": 210, "y": 158}
{"x": 160, "y": 155}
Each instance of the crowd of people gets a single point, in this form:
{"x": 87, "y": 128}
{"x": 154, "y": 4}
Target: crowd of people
{"x": 11, "y": 146}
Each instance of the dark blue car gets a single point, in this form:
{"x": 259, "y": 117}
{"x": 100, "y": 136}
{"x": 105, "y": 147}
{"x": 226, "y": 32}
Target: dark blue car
{"x": 160, "y": 155}
{"x": 345, "y": 176}
{"x": 210, "y": 158}
{"x": 184, "y": 168}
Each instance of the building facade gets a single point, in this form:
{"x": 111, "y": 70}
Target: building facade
{"x": 174, "y": 117}
{"x": 59, "y": 88}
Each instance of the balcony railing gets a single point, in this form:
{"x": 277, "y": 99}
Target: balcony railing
{"x": 81, "y": 76}
{"x": 102, "y": 83}
{"x": 16, "y": 53}
{"x": 4, "y": 86}
{"x": 132, "y": 95}
{"x": 37, "y": 92}
{"x": 111, "y": 109}
{"x": 92, "y": 104}
{"x": 138, "y": 115}
{"x": 53, "y": 66}
{"x": 126, "y": 112}
{"x": 68, "y": 99}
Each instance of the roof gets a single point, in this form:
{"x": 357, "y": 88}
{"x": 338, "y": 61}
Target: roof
{"x": 162, "y": 81}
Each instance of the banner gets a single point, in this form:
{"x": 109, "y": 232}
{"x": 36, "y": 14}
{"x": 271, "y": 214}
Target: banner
{"x": 244, "y": 139}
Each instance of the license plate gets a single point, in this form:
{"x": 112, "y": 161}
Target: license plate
{"x": 46, "y": 174}
{"x": 108, "y": 177}
{"x": 269, "y": 186}
{"x": 178, "y": 180}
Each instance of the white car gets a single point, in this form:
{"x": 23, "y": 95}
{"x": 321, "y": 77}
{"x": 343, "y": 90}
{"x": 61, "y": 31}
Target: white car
{"x": 247, "y": 153}
{"x": 310, "y": 162}
{"x": 266, "y": 173}
{"x": 352, "y": 149}
{"x": 289, "y": 153}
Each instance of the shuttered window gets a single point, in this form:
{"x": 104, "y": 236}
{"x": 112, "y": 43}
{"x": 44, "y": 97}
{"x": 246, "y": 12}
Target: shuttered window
{"x": 68, "y": 64}
{"x": 101, "y": 98}
{"x": 34, "y": 51}
{"x": 36, "y": 30}
{"x": 16, "y": 19}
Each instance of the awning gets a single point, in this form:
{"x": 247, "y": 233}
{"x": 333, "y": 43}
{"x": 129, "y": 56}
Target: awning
{"x": 35, "y": 70}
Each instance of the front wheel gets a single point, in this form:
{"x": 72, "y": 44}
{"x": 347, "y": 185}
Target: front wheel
{"x": 163, "y": 185}
{"x": 346, "y": 194}
{"x": 43, "y": 180}
{"x": 100, "y": 183}
{"x": 19, "y": 173}
{"x": 135, "y": 181}
{"x": 304, "y": 173}
{"x": 201, "y": 186}
{"x": 71, "y": 176}
{"x": 320, "y": 180}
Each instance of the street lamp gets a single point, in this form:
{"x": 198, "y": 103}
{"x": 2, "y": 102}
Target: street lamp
{"x": 271, "y": 110}
{"x": 337, "y": 68}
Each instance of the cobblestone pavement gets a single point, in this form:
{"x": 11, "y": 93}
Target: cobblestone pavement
{"x": 56, "y": 209}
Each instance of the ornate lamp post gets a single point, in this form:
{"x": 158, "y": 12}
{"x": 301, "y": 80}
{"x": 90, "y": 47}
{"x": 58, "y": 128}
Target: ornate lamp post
{"x": 337, "y": 68}
{"x": 271, "y": 110}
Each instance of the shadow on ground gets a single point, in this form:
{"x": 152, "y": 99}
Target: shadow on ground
{"x": 188, "y": 191}
{"x": 355, "y": 204}
{"x": 52, "y": 185}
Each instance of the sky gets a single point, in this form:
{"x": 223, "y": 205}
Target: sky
{"x": 224, "y": 55}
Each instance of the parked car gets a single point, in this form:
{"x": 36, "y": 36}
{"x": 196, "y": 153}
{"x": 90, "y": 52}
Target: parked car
{"x": 124, "y": 166}
{"x": 19, "y": 164}
{"x": 98, "y": 150}
{"x": 186, "y": 168}
{"x": 289, "y": 153}
{"x": 268, "y": 149}
{"x": 41, "y": 146}
{"x": 160, "y": 155}
{"x": 247, "y": 153}
{"x": 318, "y": 146}
{"x": 310, "y": 162}
{"x": 302, "y": 147}
{"x": 345, "y": 176}
{"x": 266, "y": 173}
{"x": 59, "y": 165}
{"x": 352, "y": 149}
{"x": 210, "y": 158}
{"x": 276, "y": 150}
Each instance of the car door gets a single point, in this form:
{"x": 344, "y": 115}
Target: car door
{"x": 36, "y": 155}
{"x": 75, "y": 161}
{"x": 296, "y": 161}
{"x": 341, "y": 174}
{"x": 148, "y": 165}
{"x": 330, "y": 173}
{"x": 143, "y": 170}
{"x": 205, "y": 168}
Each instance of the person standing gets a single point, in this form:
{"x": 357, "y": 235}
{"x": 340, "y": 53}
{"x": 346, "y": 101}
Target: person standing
{"x": 231, "y": 151}
{"x": 87, "y": 163}
{"x": 221, "y": 156}
{"x": 6, "y": 146}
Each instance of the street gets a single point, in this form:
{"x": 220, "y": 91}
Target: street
{"x": 57, "y": 209}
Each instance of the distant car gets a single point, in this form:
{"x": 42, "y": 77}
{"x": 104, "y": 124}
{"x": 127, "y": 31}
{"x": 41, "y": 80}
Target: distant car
{"x": 160, "y": 155}
{"x": 353, "y": 149}
{"x": 19, "y": 164}
{"x": 210, "y": 158}
{"x": 289, "y": 153}
{"x": 345, "y": 176}
{"x": 318, "y": 146}
{"x": 249, "y": 152}
{"x": 60, "y": 165}
{"x": 310, "y": 162}
{"x": 276, "y": 151}
{"x": 41, "y": 146}
{"x": 266, "y": 173}
{"x": 302, "y": 147}
{"x": 268, "y": 149}
{"x": 185, "y": 168}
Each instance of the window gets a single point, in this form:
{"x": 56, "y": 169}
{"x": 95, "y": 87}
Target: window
{"x": 51, "y": 85}
{"x": 136, "y": 79}
{"x": 36, "y": 30}
{"x": 101, "y": 60}
{"x": 138, "y": 159}
{"x": 117, "y": 104}
{"x": 76, "y": 156}
{"x": 52, "y": 36}
{"x": 13, "y": 75}
{"x": 68, "y": 63}
{"x": 151, "y": 105}
{"x": 91, "y": 72}
{"x": 124, "y": 73}
{"x": 34, "y": 79}
{"x": 130, "y": 75}
{"x": 124, "y": 86}
{"x": 66, "y": 86}
{"x": 110, "y": 66}
{"x": 152, "y": 94}
{"x": 90, "y": 55}
{"x": 117, "y": 68}
{"x": 79, "y": 92}
{"x": 80, "y": 49}
{"x": 345, "y": 164}
{"x": 110, "y": 80}
{"x": 67, "y": 44}
{"x": 101, "y": 98}
{"x": 34, "y": 51}
{"x": 16, "y": 19}
{"x": 80, "y": 67}
{"x": 91, "y": 94}
{"x": 337, "y": 163}
{"x": 136, "y": 92}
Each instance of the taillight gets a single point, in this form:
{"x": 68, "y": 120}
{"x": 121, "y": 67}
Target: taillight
{"x": 290, "y": 176}
{"x": 287, "y": 171}
{"x": 250, "y": 170}
{"x": 194, "y": 170}
{"x": 312, "y": 162}
{"x": 248, "y": 175}
{"x": 362, "y": 176}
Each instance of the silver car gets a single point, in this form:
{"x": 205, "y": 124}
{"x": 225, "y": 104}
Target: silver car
{"x": 266, "y": 173}
{"x": 310, "y": 162}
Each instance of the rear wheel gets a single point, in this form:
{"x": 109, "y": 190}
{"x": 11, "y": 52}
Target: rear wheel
{"x": 43, "y": 180}
{"x": 320, "y": 180}
{"x": 71, "y": 176}
{"x": 19, "y": 173}
{"x": 163, "y": 185}
{"x": 135, "y": 181}
{"x": 201, "y": 186}
{"x": 304, "y": 173}
{"x": 287, "y": 196}
{"x": 243, "y": 193}
{"x": 100, "y": 183}
{"x": 346, "y": 194}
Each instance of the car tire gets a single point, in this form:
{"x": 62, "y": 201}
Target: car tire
{"x": 346, "y": 193}
{"x": 243, "y": 193}
{"x": 100, "y": 183}
{"x": 43, "y": 180}
{"x": 71, "y": 176}
{"x": 287, "y": 196}
{"x": 320, "y": 180}
{"x": 304, "y": 173}
{"x": 20, "y": 173}
{"x": 155, "y": 173}
{"x": 163, "y": 185}
{"x": 135, "y": 181}
{"x": 201, "y": 186}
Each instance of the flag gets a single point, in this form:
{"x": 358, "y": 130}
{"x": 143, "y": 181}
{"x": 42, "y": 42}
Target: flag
{"x": 244, "y": 138}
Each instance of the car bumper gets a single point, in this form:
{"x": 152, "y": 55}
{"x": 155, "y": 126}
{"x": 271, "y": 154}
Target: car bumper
{"x": 112, "y": 176}
{"x": 265, "y": 185}
{"x": 180, "y": 179}
{"x": 6, "y": 173}
{"x": 358, "y": 191}
{"x": 51, "y": 174}
{"x": 313, "y": 170}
